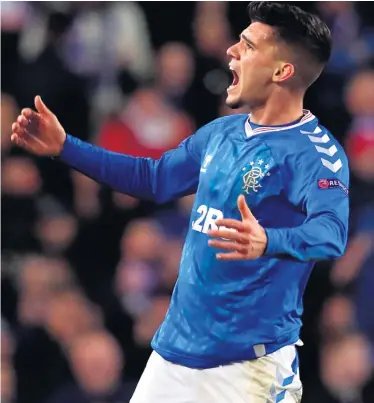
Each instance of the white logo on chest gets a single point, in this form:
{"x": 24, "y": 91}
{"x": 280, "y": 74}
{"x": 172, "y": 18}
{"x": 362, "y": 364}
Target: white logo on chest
{"x": 207, "y": 160}
{"x": 256, "y": 171}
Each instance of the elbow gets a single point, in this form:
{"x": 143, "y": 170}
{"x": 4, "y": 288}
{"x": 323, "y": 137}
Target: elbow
{"x": 328, "y": 243}
{"x": 160, "y": 195}
{"x": 161, "y": 198}
{"x": 335, "y": 251}
{"x": 335, "y": 242}
{"x": 326, "y": 250}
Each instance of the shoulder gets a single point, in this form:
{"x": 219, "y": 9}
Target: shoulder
{"x": 311, "y": 147}
{"x": 319, "y": 149}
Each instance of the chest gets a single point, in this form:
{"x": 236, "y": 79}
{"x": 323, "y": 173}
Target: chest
{"x": 231, "y": 167}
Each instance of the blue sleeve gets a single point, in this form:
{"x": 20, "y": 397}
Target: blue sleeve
{"x": 174, "y": 175}
{"x": 323, "y": 195}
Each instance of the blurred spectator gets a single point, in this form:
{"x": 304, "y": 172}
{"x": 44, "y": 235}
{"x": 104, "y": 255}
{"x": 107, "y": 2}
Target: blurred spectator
{"x": 8, "y": 375}
{"x": 97, "y": 363}
{"x": 360, "y": 140}
{"x": 7, "y": 342}
{"x": 69, "y": 314}
{"x": 136, "y": 278}
{"x": 95, "y": 25}
{"x": 350, "y": 49}
{"x": 169, "y": 265}
{"x": 8, "y": 383}
{"x": 20, "y": 177}
{"x": 38, "y": 279}
{"x": 357, "y": 267}
{"x": 142, "y": 240}
{"x": 150, "y": 320}
{"x": 123, "y": 201}
{"x": 9, "y": 110}
{"x": 109, "y": 44}
{"x": 65, "y": 315}
{"x": 147, "y": 127}
{"x": 14, "y": 16}
{"x": 86, "y": 196}
{"x": 212, "y": 39}
{"x": 48, "y": 76}
{"x": 346, "y": 370}
{"x": 337, "y": 318}
{"x": 21, "y": 184}
{"x": 56, "y": 232}
{"x": 65, "y": 92}
{"x": 174, "y": 74}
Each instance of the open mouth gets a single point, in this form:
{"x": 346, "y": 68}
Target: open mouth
{"x": 235, "y": 80}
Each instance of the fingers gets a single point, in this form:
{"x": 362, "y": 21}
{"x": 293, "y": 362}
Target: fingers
{"x": 18, "y": 130}
{"x": 230, "y": 256}
{"x": 20, "y": 142}
{"x": 232, "y": 246}
{"x": 23, "y": 139}
{"x": 29, "y": 114}
{"x": 230, "y": 235}
{"x": 41, "y": 107}
{"x": 22, "y": 121}
{"x": 234, "y": 224}
{"x": 27, "y": 121}
{"x": 16, "y": 139}
{"x": 244, "y": 209}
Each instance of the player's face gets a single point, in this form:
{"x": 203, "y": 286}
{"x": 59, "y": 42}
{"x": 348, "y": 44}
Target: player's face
{"x": 253, "y": 62}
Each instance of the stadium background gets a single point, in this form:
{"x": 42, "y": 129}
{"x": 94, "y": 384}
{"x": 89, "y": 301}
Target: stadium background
{"x": 87, "y": 273}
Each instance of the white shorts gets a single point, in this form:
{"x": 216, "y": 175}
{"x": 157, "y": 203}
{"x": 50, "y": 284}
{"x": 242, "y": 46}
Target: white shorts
{"x": 269, "y": 379}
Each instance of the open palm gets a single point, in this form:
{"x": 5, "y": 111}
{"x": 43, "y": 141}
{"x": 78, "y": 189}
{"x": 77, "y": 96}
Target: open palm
{"x": 38, "y": 132}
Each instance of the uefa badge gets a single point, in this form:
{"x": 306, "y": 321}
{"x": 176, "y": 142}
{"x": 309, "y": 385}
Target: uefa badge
{"x": 255, "y": 172}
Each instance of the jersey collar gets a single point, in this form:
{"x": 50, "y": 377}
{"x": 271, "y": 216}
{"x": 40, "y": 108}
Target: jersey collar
{"x": 249, "y": 131}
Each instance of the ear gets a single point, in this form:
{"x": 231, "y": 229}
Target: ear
{"x": 283, "y": 72}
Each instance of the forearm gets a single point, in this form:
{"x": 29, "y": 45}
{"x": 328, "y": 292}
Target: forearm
{"x": 321, "y": 238}
{"x": 136, "y": 177}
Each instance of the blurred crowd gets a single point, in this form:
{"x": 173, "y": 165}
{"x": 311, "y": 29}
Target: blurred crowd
{"x": 87, "y": 273}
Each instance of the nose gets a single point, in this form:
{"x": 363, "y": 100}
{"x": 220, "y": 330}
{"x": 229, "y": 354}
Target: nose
{"x": 232, "y": 52}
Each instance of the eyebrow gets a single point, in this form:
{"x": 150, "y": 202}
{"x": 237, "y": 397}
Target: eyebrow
{"x": 246, "y": 39}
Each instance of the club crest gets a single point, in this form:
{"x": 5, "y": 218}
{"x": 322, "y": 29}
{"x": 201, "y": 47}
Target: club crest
{"x": 255, "y": 172}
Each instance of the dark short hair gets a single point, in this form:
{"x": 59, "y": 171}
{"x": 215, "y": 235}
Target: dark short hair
{"x": 294, "y": 27}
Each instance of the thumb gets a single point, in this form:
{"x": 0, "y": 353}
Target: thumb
{"x": 41, "y": 107}
{"x": 244, "y": 209}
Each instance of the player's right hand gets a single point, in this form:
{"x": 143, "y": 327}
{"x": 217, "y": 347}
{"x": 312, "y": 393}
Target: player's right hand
{"x": 39, "y": 132}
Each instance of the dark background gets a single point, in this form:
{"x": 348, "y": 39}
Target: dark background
{"x": 87, "y": 273}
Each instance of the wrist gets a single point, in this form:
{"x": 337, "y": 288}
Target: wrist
{"x": 62, "y": 146}
{"x": 273, "y": 244}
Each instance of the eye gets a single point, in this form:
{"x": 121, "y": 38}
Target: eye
{"x": 249, "y": 46}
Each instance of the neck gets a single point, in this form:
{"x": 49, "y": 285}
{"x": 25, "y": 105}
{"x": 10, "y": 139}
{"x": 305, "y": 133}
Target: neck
{"x": 281, "y": 108}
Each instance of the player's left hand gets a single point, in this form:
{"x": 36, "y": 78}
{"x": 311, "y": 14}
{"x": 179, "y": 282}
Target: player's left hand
{"x": 245, "y": 240}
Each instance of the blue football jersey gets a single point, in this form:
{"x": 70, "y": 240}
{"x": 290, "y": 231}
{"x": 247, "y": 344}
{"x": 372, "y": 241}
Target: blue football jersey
{"x": 295, "y": 179}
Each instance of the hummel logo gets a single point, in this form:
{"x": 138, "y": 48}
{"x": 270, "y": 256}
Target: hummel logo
{"x": 207, "y": 160}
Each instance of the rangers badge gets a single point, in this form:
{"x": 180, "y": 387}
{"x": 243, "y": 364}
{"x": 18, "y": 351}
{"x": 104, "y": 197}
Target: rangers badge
{"x": 256, "y": 172}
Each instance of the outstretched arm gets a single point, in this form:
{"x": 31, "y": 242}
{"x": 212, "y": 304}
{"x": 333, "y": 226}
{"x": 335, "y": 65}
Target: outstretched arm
{"x": 174, "y": 175}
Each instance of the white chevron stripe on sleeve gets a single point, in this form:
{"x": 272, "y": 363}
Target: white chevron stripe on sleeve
{"x": 334, "y": 167}
{"x": 317, "y": 130}
{"x": 324, "y": 139}
{"x": 328, "y": 151}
